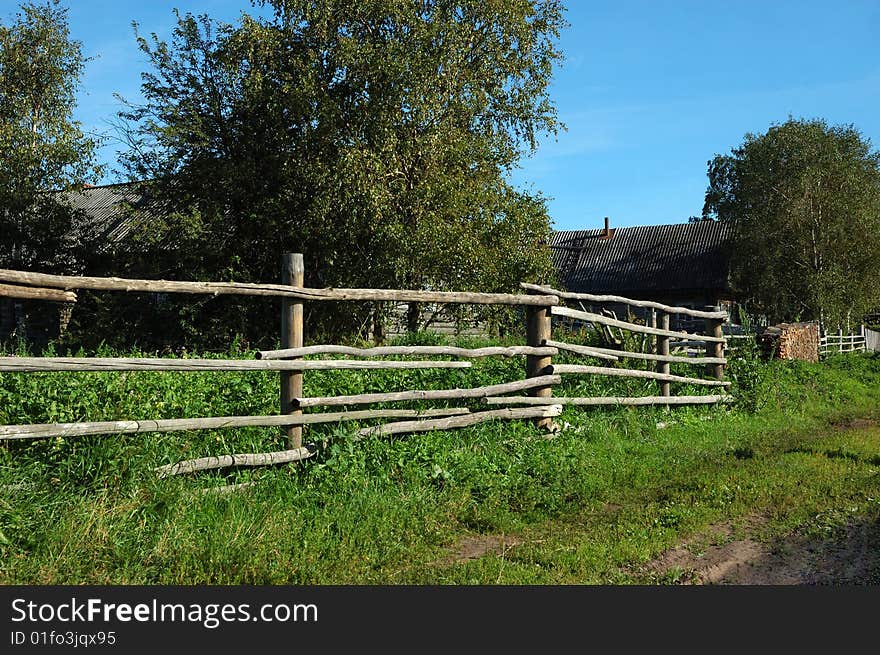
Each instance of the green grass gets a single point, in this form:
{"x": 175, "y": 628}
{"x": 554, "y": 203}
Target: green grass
{"x": 590, "y": 506}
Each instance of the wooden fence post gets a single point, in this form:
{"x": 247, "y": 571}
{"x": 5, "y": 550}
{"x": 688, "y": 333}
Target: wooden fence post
{"x": 538, "y": 331}
{"x": 663, "y": 349}
{"x": 292, "y": 273}
{"x": 714, "y": 348}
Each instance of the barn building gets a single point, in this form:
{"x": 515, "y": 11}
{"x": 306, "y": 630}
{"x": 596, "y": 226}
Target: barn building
{"x": 684, "y": 264}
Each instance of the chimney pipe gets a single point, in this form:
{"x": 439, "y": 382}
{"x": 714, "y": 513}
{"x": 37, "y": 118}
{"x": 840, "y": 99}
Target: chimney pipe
{"x": 607, "y": 232}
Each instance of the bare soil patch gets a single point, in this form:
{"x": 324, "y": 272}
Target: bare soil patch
{"x": 478, "y": 546}
{"x": 851, "y": 556}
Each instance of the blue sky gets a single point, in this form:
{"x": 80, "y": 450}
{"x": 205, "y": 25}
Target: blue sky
{"x": 650, "y": 91}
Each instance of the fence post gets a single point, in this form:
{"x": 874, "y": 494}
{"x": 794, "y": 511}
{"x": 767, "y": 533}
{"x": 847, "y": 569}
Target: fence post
{"x": 538, "y": 331}
{"x": 663, "y": 349}
{"x": 292, "y": 273}
{"x": 714, "y": 328}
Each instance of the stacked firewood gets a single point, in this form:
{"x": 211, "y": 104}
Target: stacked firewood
{"x": 792, "y": 341}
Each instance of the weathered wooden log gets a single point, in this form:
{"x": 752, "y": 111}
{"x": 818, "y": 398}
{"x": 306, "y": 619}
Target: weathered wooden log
{"x": 563, "y": 369}
{"x": 608, "y": 400}
{"x": 32, "y": 364}
{"x": 384, "y": 351}
{"x": 663, "y": 355}
{"x": 715, "y": 350}
{"x": 278, "y": 290}
{"x": 610, "y": 353}
{"x": 42, "y": 431}
{"x": 598, "y": 353}
{"x": 292, "y": 274}
{"x": 591, "y": 297}
{"x": 36, "y": 293}
{"x": 226, "y": 461}
{"x": 404, "y": 427}
{"x": 539, "y": 328}
{"x": 632, "y": 327}
{"x": 443, "y": 394}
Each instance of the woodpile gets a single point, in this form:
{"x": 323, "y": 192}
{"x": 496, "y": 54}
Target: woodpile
{"x": 792, "y": 341}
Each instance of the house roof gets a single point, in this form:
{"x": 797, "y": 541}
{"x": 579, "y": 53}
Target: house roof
{"x": 680, "y": 258}
{"x": 111, "y": 212}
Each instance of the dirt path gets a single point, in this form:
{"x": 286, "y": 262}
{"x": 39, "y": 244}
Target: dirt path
{"x": 851, "y": 556}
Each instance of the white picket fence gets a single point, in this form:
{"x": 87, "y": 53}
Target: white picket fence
{"x": 843, "y": 343}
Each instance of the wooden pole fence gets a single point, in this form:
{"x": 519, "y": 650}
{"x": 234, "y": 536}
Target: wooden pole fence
{"x": 292, "y": 274}
{"x": 442, "y": 394}
{"x": 715, "y": 348}
{"x": 591, "y": 297}
{"x": 632, "y": 327}
{"x": 663, "y": 355}
{"x": 563, "y": 369}
{"x": 43, "y": 431}
{"x": 538, "y": 331}
{"x": 278, "y": 290}
{"x": 615, "y": 355}
{"x": 36, "y": 293}
{"x": 608, "y": 400}
{"x": 47, "y": 364}
{"x": 405, "y": 427}
{"x": 540, "y": 302}
{"x": 227, "y": 461}
{"x": 385, "y": 351}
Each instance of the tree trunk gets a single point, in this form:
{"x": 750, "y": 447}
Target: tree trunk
{"x": 413, "y": 316}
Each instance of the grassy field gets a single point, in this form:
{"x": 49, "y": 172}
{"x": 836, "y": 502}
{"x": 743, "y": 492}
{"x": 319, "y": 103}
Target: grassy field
{"x": 495, "y": 504}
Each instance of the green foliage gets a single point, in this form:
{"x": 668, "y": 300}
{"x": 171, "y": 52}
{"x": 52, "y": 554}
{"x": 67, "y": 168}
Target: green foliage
{"x": 747, "y": 369}
{"x": 804, "y": 199}
{"x": 375, "y": 138}
{"x": 42, "y": 149}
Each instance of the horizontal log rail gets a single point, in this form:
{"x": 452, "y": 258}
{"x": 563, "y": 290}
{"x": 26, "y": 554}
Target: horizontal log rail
{"x": 36, "y": 293}
{"x": 454, "y": 422}
{"x": 608, "y": 400}
{"x": 563, "y": 369}
{"x": 54, "y": 364}
{"x": 595, "y": 351}
{"x": 277, "y": 290}
{"x": 442, "y": 394}
{"x": 384, "y": 351}
{"x": 228, "y": 461}
{"x": 632, "y": 327}
{"x": 43, "y": 431}
{"x": 591, "y": 297}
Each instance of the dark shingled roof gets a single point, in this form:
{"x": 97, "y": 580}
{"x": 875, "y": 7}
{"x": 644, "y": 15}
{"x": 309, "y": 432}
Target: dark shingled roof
{"x": 651, "y": 259}
{"x": 112, "y": 211}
